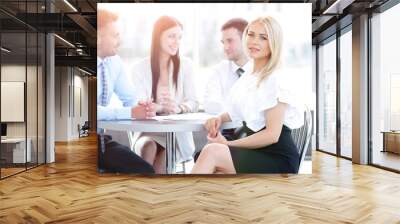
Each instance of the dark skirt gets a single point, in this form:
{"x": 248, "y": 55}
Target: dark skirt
{"x": 280, "y": 157}
{"x": 116, "y": 158}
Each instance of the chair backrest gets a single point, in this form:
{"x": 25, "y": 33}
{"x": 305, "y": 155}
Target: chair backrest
{"x": 86, "y": 125}
{"x": 302, "y": 136}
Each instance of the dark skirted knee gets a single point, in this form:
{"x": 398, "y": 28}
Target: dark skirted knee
{"x": 119, "y": 158}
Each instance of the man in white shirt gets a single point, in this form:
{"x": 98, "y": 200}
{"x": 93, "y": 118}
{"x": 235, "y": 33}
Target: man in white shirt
{"x": 228, "y": 71}
{"x": 225, "y": 73}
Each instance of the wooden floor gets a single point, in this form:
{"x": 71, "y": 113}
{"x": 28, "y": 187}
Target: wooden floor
{"x": 387, "y": 159}
{"x": 71, "y": 191}
{"x": 10, "y": 171}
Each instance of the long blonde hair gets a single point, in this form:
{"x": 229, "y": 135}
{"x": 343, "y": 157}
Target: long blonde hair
{"x": 275, "y": 39}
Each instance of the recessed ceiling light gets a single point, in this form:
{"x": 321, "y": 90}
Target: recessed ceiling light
{"x": 5, "y": 50}
{"x": 71, "y": 6}
{"x": 64, "y": 40}
{"x": 84, "y": 71}
{"x": 338, "y": 6}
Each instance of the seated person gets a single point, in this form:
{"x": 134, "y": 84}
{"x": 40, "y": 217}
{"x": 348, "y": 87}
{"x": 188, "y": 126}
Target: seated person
{"x": 111, "y": 79}
{"x": 227, "y": 72}
{"x": 264, "y": 143}
{"x": 168, "y": 79}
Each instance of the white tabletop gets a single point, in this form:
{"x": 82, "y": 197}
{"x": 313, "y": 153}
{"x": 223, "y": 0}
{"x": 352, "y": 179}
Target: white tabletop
{"x": 175, "y": 123}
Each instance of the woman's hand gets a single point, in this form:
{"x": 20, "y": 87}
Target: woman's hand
{"x": 219, "y": 138}
{"x": 144, "y": 110}
{"x": 159, "y": 108}
{"x": 212, "y": 126}
{"x": 170, "y": 106}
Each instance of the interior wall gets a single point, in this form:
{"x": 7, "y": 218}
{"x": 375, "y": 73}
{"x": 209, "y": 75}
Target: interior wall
{"x": 71, "y": 102}
{"x": 61, "y": 104}
{"x": 80, "y": 109}
{"x": 17, "y": 73}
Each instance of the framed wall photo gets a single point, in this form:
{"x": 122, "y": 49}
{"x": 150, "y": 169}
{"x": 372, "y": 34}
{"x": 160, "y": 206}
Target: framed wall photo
{"x": 186, "y": 88}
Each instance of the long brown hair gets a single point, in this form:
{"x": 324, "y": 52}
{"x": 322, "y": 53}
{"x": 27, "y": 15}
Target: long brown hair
{"x": 163, "y": 23}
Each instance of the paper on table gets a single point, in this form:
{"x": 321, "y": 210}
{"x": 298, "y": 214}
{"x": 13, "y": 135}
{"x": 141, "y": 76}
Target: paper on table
{"x": 183, "y": 117}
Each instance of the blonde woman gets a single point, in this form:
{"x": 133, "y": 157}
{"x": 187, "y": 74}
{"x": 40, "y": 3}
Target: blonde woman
{"x": 264, "y": 143}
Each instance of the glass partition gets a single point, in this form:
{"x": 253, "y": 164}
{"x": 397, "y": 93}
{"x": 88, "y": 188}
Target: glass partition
{"x": 13, "y": 105}
{"x": 22, "y": 87}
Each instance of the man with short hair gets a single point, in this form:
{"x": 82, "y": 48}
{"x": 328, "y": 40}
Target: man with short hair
{"x": 228, "y": 71}
{"x": 111, "y": 79}
{"x": 111, "y": 75}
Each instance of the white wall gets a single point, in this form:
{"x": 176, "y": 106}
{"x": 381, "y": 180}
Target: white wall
{"x": 14, "y": 73}
{"x": 70, "y": 84}
{"x": 17, "y": 73}
{"x": 79, "y": 117}
{"x": 61, "y": 104}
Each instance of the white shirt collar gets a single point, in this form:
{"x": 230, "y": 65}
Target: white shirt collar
{"x": 99, "y": 60}
{"x": 246, "y": 67}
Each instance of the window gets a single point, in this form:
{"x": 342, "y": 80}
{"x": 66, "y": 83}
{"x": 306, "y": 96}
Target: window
{"x": 346, "y": 94}
{"x": 327, "y": 96}
{"x": 385, "y": 85}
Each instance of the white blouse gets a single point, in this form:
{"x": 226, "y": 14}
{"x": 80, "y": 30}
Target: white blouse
{"x": 184, "y": 95}
{"x": 247, "y": 102}
{"x": 219, "y": 84}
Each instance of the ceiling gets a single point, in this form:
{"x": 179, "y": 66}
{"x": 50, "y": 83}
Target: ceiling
{"x": 76, "y": 25}
{"x": 332, "y": 15}
{"x": 75, "y": 22}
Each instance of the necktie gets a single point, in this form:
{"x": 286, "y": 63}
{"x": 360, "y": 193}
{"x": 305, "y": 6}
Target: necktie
{"x": 104, "y": 86}
{"x": 239, "y": 72}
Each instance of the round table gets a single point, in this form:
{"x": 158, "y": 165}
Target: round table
{"x": 178, "y": 123}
